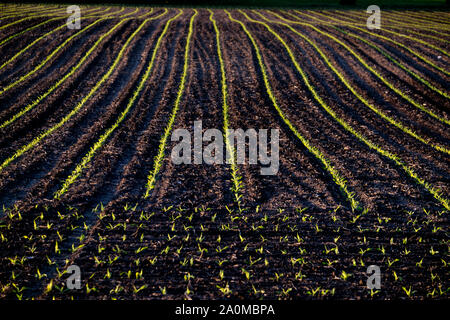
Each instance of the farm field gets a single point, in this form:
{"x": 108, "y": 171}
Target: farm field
{"x": 86, "y": 177}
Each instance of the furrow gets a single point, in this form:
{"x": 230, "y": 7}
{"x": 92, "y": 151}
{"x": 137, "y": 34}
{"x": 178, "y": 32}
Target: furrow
{"x": 380, "y": 113}
{"x": 372, "y": 70}
{"x": 74, "y": 111}
{"x": 235, "y": 177}
{"x": 60, "y": 81}
{"x": 87, "y": 158}
{"x": 337, "y": 177}
{"x": 15, "y": 35}
{"x": 405, "y": 27}
{"x": 48, "y": 57}
{"x": 60, "y": 15}
{"x": 151, "y": 180}
{"x": 418, "y": 55}
{"x": 392, "y": 157}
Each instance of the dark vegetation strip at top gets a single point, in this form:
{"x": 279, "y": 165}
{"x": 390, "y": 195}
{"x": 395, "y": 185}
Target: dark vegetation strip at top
{"x": 339, "y": 4}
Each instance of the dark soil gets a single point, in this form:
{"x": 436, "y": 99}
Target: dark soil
{"x": 293, "y": 235}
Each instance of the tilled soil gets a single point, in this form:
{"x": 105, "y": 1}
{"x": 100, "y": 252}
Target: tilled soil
{"x": 292, "y": 235}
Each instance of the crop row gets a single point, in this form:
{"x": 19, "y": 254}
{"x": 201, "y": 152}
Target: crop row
{"x": 79, "y": 105}
{"x": 127, "y": 252}
{"x": 15, "y": 35}
{"x": 406, "y": 25}
{"x": 151, "y": 179}
{"x": 425, "y": 43}
{"x": 18, "y": 13}
{"x": 415, "y": 53}
{"x": 372, "y": 70}
{"x": 65, "y": 77}
{"x": 235, "y": 177}
{"x": 237, "y": 183}
{"x": 87, "y": 158}
{"x": 337, "y": 177}
{"x": 44, "y": 36}
{"x": 350, "y": 17}
{"x": 15, "y": 10}
{"x": 420, "y": 17}
{"x": 392, "y": 157}
{"x": 59, "y": 15}
{"x": 389, "y": 119}
{"x": 397, "y": 63}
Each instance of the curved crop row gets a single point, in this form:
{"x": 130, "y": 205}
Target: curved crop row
{"x": 129, "y": 13}
{"x": 100, "y": 142}
{"x": 148, "y": 13}
{"x": 75, "y": 110}
{"x": 48, "y": 57}
{"x": 380, "y": 113}
{"x": 418, "y": 55}
{"x": 113, "y": 14}
{"x": 63, "y": 79}
{"x": 60, "y": 15}
{"x": 361, "y": 16}
{"x": 419, "y": 19}
{"x": 405, "y": 22}
{"x": 396, "y": 62}
{"x": 332, "y": 171}
{"x": 383, "y": 52}
{"x": 13, "y": 12}
{"x": 151, "y": 179}
{"x": 235, "y": 177}
{"x": 373, "y": 71}
{"x": 431, "y": 15}
{"x": 11, "y": 8}
{"x": 38, "y": 13}
{"x": 15, "y": 35}
{"x": 393, "y": 157}
{"x": 399, "y": 26}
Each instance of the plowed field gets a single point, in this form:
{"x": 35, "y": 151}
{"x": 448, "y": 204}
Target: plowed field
{"x": 86, "y": 179}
